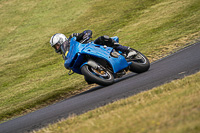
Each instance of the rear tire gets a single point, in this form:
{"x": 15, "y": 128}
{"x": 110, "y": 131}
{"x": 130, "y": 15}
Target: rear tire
{"x": 103, "y": 78}
{"x": 140, "y": 63}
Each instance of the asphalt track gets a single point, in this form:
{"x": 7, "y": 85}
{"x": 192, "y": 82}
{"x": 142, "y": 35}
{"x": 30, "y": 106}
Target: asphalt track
{"x": 175, "y": 66}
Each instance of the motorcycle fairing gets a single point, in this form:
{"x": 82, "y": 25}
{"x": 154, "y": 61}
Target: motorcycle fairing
{"x": 75, "y": 48}
{"x": 104, "y": 53}
{"x": 74, "y": 59}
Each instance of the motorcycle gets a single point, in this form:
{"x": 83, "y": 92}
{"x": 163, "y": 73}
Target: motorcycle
{"x": 101, "y": 64}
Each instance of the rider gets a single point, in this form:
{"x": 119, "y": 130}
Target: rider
{"x": 61, "y": 44}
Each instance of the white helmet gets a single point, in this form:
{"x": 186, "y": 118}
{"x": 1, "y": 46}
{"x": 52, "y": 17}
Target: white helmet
{"x": 58, "y": 38}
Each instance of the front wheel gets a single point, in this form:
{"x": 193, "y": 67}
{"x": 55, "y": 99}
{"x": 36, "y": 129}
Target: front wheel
{"x": 100, "y": 76}
{"x": 140, "y": 63}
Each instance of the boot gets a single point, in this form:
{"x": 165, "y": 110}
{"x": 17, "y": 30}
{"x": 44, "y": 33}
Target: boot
{"x": 127, "y": 51}
{"x": 131, "y": 53}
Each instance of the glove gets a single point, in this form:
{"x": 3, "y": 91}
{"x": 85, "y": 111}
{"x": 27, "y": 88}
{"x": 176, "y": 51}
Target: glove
{"x": 87, "y": 34}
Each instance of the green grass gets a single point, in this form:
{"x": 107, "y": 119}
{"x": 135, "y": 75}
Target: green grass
{"x": 32, "y": 75}
{"x": 170, "y": 108}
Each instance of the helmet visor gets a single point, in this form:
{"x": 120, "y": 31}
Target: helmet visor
{"x": 57, "y": 48}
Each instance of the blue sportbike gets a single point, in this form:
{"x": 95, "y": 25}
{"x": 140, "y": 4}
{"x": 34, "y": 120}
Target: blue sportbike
{"x": 101, "y": 64}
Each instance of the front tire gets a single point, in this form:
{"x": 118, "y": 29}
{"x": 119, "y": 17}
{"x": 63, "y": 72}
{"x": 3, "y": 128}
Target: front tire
{"x": 140, "y": 63}
{"x": 102, "y": 77}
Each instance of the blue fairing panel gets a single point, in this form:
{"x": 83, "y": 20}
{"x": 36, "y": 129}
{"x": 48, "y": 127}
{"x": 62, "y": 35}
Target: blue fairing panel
{"x": 115, "y": 38}
{"x": 75, "y": 47}
{"x": 104, "y": 53}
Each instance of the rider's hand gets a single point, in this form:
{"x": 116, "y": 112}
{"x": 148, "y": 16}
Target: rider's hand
{"x": 87, "y": 34}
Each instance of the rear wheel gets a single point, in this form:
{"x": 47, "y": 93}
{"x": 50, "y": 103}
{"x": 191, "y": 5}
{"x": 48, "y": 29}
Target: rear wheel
{"x": 100, "y": 75}
{"x": 140, "y": 63}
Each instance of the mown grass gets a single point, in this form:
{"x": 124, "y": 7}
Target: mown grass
{"x": 170, "y": 108}
{"x": 32, "y": 75}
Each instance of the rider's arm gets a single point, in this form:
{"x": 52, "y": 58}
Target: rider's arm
{"x": 74, "y": 35}
{"x": 81, "y": 36}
